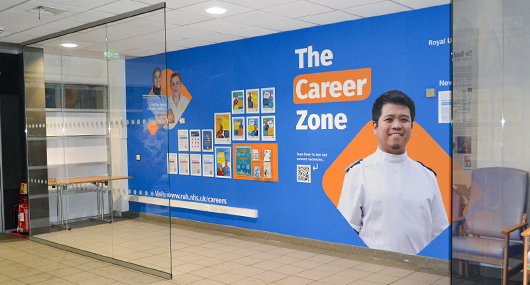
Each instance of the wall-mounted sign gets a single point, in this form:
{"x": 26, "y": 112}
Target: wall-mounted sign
{"x": 111, "y": 54}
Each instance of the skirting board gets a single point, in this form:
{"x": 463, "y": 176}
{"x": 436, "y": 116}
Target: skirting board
{"x": 243, "y": 212}
{"x": 374, "y": 253}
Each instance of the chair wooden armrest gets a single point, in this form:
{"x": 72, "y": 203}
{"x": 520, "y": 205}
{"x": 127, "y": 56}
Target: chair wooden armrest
{"x": 458, "y": 219}
{"x": 511, "y": 229}
{"x": 526, "y": 233}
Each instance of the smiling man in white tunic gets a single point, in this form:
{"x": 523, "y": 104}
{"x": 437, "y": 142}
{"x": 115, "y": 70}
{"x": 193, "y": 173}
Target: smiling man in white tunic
{"x": 393, "y": 202}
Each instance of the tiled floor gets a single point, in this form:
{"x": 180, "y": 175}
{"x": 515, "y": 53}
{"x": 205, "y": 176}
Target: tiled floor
{"x": 204, "y": 257}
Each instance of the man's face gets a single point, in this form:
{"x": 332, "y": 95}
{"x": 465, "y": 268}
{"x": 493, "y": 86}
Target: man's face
{"x": 175, "y": 84}
{"x": 157, "y": 80}
{"x": 394, "y": 128}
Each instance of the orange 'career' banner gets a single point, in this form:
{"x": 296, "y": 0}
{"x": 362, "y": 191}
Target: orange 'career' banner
{"x": 333, "y": 86}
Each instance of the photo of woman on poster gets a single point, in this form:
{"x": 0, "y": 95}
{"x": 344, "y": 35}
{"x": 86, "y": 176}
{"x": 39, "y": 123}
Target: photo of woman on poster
{"x": 157, "y": 101}
{"x": 177, "y": 102}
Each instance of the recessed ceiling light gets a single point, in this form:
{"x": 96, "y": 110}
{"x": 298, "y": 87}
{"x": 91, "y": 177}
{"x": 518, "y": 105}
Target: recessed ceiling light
{"x": 216, "y": 10}
{"x": 69, "y": 45}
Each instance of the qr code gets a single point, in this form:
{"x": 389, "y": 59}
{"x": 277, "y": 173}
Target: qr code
{"x": 303, "y": 173}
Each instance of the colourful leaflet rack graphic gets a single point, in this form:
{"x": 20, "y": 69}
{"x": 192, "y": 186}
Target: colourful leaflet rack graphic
{"x": 243, "y": 163}
{"x": 261, "y": 156}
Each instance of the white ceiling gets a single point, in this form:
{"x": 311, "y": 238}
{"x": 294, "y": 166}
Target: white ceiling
{"x": 188, "y": 24}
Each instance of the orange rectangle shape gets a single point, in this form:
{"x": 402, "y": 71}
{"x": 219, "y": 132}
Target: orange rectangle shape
{"x": 273, "y": 161}
{"x": 333, "y": 86}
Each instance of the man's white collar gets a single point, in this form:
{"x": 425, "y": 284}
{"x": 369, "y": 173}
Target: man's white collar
{"x": 391, "y": 158}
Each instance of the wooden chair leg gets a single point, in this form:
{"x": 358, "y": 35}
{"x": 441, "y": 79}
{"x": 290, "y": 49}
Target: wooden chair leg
{"x": 525, "y": 261}
{"x": 505, "y": 264}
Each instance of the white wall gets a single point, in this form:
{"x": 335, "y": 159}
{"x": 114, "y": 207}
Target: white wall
{"x": 77, "y": 142}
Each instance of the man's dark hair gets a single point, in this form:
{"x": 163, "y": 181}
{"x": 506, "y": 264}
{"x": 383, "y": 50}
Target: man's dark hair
{"x": 395, "y": 97}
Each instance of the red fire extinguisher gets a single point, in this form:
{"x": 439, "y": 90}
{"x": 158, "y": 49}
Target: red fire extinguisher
{"x": 23, "y": 217}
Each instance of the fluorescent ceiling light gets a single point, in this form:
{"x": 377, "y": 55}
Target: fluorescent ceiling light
{"x": 68, "y": 45}
{"x": 216, "y": 10}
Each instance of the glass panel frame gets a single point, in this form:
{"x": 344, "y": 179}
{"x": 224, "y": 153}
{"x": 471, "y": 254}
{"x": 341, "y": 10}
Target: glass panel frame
{"x": 490, "y": 79}
{"x": 77, "y": 126}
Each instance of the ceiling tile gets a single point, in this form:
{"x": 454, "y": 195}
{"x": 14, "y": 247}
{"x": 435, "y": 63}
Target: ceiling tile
{"x": 200, "y": 9}
{"x": 148, "y": 49}
{"x": 342, "y": 4}
{"x": 145, "y": 51}
{"x": 16, "y": 38}
{"x": 4, "y": 34}
{"x": 171, "y": 37}
{"x": 189, "y": 43}
{"x": 288, "y": 25}
{"x": 418, "y": 4}
{"x": 260, "y": 4}
{"x": 174, "y": 4}
{"x": 219, "y": 38}
{"x": 218, "y": 25}
{"x": 24, "y": 7}
{"x": 136, "y": 42}
{"x": 376, "y": 9}
{"x": 51, "y": 43}
{"x": 297, "y": 9}
{"x": 62, "y": 24}
{"x": 90, "y": 16}
{"x": 121, "y": 6}
{"x": 39, "y": 31}
{"x": 256, "y": 18}
{"x": 4, "y": 4}
{"x": 132, "y": 28}
{"x": 84, "y": 4}
{"x": 15, "y": 22}
{"x": 97, "y": 48}
{"x": 184, "y": 18}
{"x": 251, "y": 32}
{"x": 13, "y": 29}
{"x": 174, "y": 47}
{"x": 329, "y": 18}
{"x": 96, "y": 35}
{"x": 187, "y": 32}
{"x": 187, "y": 19}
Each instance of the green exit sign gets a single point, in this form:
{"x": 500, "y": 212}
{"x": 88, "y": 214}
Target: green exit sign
{"x": 111, "y": 54}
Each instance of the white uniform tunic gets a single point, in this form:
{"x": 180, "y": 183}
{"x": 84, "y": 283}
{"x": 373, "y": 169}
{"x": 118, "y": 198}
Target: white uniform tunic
{"x": 178, "y": 110}
{"x": 393, "y": 202}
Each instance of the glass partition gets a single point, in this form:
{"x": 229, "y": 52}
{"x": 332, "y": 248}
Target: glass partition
{"x": 490, "y": 159}
{"x": 81, "y": 111}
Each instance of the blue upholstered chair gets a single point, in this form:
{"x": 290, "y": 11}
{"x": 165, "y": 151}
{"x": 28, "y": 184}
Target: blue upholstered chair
{"x": 457, "y": 212}
{"x": 494, "y": 219}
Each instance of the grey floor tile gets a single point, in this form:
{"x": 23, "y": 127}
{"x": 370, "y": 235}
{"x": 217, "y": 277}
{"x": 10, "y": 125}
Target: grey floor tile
{"x": 202, "y": 256}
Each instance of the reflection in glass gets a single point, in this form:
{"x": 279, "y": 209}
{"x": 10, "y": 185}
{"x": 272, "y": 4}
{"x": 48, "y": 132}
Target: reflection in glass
{"x": 78, "y": 148}
{"x": 490, "y": 157}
